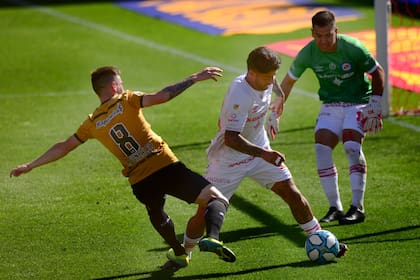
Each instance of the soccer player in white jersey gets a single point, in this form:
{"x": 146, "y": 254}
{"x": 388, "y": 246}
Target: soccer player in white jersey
{"x": 242, "y": 149}
{"x": 351, "y": 107}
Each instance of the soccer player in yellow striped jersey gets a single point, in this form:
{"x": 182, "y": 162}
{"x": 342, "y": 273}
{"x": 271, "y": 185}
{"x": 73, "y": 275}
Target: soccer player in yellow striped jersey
{"x": 152, "y": 168}
{"x": 351, "y": 107}
{"x": 120, "y": 126}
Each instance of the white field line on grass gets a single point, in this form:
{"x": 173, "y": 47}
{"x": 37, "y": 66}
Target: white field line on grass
{"x": 33, "y": 94}
{"x": 162, "y": 48}
{"x": 85, "y": 92}
{"x": 403, "y": 124}
{"x": 125, "y": 36}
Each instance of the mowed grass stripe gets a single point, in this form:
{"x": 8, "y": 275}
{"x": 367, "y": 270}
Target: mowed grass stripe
{"x": 157, "y": 47}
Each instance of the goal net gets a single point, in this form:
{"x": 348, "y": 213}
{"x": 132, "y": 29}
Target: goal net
{"x": 398, "y": 49}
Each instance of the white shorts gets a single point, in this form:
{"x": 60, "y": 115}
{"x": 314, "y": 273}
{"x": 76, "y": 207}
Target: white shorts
{"x": 339, "y": 116}
{"x": 227, "y": 176}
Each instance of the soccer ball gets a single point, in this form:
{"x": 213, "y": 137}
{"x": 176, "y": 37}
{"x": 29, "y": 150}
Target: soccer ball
{"x": 321, "y": 246}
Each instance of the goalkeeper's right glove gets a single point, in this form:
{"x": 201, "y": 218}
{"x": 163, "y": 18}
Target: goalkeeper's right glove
{"x": 372, "y": 115}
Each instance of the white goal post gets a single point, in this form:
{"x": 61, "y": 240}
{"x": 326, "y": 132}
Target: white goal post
{"x": 382, "y": 18}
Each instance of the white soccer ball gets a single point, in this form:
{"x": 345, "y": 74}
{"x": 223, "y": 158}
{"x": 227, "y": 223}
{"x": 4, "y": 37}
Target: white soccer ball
{"x": 322, "y": 246}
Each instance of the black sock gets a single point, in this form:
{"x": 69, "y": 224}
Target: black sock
{"x": 215, "y": 215}
{"x": 165, "y": 227}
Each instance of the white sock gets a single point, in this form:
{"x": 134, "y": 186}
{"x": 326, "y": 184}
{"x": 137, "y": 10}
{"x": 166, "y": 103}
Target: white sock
{"x": 311, "y": 226}
{"x": 357, "y": 170}
{"x": 189, "y": 244}
{"x": 328, "y": 175}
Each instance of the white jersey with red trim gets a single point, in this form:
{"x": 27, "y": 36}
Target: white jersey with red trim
{"x": 243, "y": 110}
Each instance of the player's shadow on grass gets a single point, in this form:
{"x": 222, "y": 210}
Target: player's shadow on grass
{"x": 375, "y": 237}
{"x": 273, "y": 225}
{"x": 300, "y": 264}
{"x": 160, "y": 274}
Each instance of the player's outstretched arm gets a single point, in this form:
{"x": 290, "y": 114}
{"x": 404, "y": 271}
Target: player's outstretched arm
{"x": 176, "y": 89}
{"x": 57, "y": 151}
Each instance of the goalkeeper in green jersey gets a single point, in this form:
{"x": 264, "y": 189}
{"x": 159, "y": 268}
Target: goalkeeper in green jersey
{"x": 351, "y": 107}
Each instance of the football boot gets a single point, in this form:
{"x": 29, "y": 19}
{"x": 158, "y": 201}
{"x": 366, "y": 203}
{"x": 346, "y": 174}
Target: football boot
{"x": 215, "y": 246}
{"x": 353, "y": 216}
{"x": 332, "y": 215}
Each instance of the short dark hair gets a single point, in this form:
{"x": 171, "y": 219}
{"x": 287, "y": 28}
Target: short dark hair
{"x": 263, "y": 60}
{"x": 323, "y": 18}
{"x": 102, "y": 76}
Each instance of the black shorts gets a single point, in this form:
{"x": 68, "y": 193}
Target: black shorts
{"x": 175, "y": 179}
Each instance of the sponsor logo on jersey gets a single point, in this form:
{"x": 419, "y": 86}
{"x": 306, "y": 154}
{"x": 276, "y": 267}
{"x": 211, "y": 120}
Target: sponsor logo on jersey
{"x": 244, "y": 161}
{"x": 142, "y": 153}
{"x": 117, "y": 111}
{"x": 318, "y": 68}
{"x": 256, "y": 118}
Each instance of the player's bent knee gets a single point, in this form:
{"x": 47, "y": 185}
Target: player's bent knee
{"x": 284, "y": 186}
{"x": 352, "y": 149}
{"x": 288, "y": 191}
{"x": 158, "y": 217}
{"x": 218, "y": 201}
{"x": 208, "y": 193}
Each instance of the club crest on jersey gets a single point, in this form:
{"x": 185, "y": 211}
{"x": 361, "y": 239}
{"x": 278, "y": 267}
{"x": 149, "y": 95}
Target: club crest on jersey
{"x": 346, "y": 66}
{"x": 235, "y": 106}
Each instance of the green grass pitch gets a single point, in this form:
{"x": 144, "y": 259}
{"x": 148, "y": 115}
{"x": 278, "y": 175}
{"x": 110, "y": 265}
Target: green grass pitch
{"x": 77, "y": 218}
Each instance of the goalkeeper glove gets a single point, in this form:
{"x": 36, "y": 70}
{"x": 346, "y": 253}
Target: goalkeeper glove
{"x": 272, "y": 125}
{"x": 372, "y": 115}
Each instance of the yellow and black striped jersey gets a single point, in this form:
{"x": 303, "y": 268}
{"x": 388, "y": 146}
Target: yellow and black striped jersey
{"x": 120, "y": 126}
